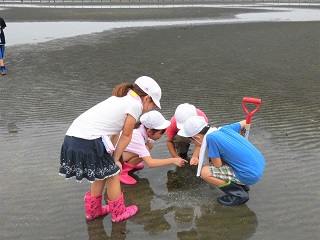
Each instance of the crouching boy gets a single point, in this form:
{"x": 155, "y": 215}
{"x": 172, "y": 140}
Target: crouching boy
{"x": 235, "y": 162}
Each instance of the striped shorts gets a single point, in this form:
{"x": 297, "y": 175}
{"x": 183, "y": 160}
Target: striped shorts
{"x": 225, "y": 172}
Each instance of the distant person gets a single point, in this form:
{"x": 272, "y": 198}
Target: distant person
{"x": 88, "y": 148}
{"x": 234, "y": 161}
{"x": 2, "y": 46}
{"x": 151, "y": 127}
{"x": 178, "y": 146}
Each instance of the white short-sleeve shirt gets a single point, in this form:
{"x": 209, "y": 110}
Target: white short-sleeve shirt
{"x": 105, "y": 118}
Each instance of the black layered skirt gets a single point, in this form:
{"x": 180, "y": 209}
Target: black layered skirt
{"x": 81, "y": 158}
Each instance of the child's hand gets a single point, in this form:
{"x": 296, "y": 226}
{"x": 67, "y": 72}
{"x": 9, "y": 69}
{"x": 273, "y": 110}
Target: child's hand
{"x": 119, "y": 165}
{"x": 149, "y": 146}
{"x": 194, "y": 161}
{"x": 179, "y": 162}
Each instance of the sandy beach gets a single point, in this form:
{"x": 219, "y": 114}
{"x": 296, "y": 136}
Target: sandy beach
{"x": 212, "y": 66}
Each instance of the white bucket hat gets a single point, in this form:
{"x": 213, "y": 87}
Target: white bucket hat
{"x": 192, "y": 126}
{"x": 154, "y": 120}
{"x": 183, "y": 112}
{"x": 151, "y": 87}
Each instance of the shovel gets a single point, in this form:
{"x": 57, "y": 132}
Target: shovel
{"x": 249, "y": 115}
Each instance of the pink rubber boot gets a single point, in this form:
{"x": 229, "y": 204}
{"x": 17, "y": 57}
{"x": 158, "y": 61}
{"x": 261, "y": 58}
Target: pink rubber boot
{"x": 139, "y": 166}
{"x": 93, "y": 206}
{"x": 124, "y": 176}
{"x": 119, "y": 211}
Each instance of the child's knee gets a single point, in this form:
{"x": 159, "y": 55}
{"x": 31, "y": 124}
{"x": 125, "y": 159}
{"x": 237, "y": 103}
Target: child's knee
{"x": 205, "y": 172}
{"x": 112, "y": 179}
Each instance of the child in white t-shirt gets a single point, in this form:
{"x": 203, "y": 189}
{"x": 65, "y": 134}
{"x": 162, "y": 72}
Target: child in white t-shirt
{"x": 151, "y": 127}
{"x": 88, "y": 151}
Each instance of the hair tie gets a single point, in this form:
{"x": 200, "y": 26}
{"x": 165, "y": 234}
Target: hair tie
{"x": 131, "y": 86}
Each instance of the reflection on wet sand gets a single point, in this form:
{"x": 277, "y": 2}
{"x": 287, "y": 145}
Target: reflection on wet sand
{"x": 183, "y": 178}
{"x": 228, "y": 223}
{"x": 190, "y": 222}
{"x": 152, "y": 220}
{"x": 96, "y": 230}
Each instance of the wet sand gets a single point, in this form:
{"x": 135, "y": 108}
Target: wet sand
{"x": 212, "y": 66}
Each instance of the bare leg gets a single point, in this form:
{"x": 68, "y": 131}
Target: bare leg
{"x": 97, "y": 187}
{"x": 131, "y": 158}
{"x": 206, "y": 175}
{"x": 3, "y": 68}
{"x": 113, "y": 187}
{"x": 135, "y": 161}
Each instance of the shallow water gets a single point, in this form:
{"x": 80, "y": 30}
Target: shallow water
{"x": 35, "y": 32}
{"x": 212, "y": 66}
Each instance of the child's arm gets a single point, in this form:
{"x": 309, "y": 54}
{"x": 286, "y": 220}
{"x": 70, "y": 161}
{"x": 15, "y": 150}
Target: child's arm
{"x": 125, "y": 138}
{"x": 163, "y": 162}
{"x": 195, "y": 156}
{"x": 171, "y": 147}
{"x": 149, "y": 146}
{"x": 216, "y": 162}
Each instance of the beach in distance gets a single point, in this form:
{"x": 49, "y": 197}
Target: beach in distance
{"x": 63, "y": 60}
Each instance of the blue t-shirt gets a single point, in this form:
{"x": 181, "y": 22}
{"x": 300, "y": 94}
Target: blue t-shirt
{"x": 227, "y": 144}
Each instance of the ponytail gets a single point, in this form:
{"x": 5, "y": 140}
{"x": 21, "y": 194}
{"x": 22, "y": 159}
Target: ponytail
{"x": 122, "y": 90}
{"x": 138, "y": 90}
{"x": 137, "y": 125}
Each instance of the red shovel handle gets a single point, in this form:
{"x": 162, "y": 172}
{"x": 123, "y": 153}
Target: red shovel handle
{"x": 250, "y": 100}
